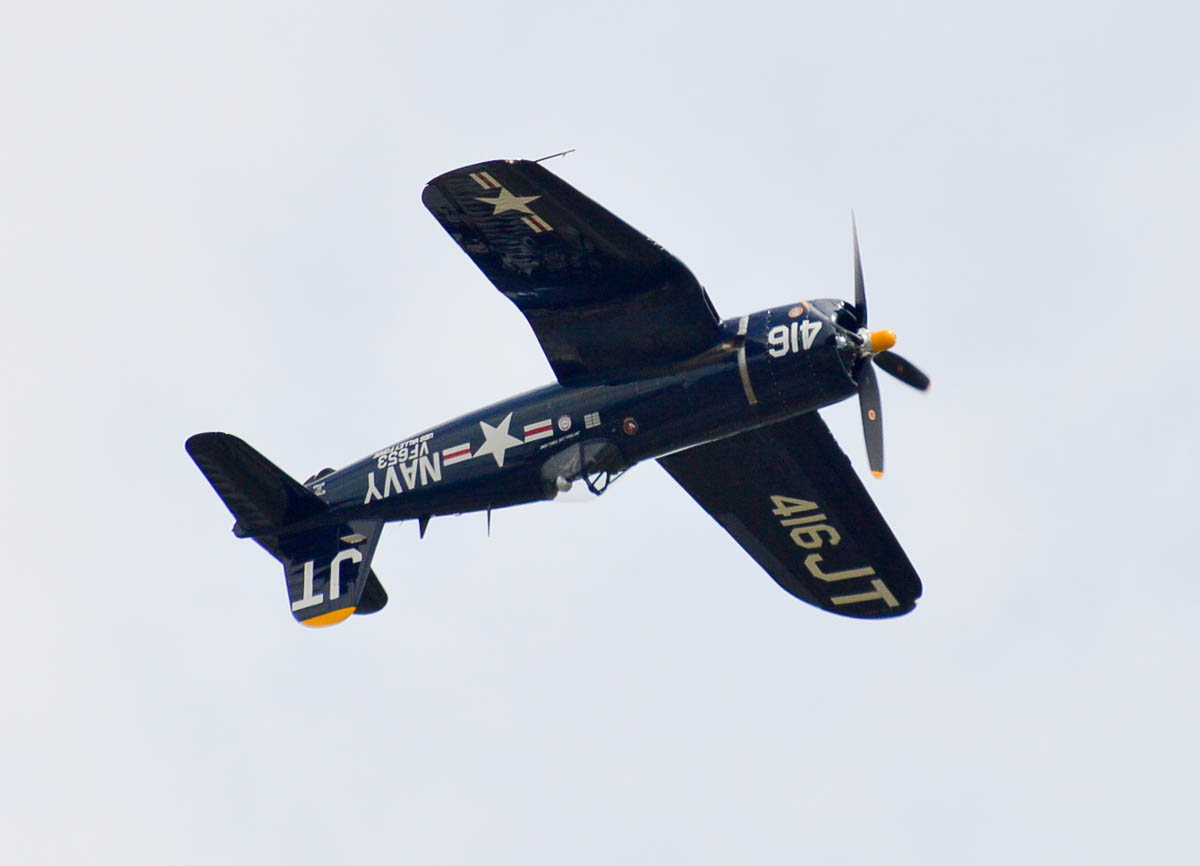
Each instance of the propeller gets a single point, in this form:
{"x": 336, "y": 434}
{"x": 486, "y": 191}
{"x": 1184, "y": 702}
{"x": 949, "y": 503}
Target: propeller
{"x": 892, "y": 363}
{"x": 875, "y": 346}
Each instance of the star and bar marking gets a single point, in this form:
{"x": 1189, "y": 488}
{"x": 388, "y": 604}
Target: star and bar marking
{"x": 505, "y": 201}
{"x": 497, "y": 440}
{"x": 412, "y": 464}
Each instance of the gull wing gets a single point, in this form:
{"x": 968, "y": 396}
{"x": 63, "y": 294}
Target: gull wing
{"x": 789, "y": 496}
{"x": 603, "y": 299}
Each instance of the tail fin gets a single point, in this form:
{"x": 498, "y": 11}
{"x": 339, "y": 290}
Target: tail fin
{"x": 327, "y": 567}
{"x": 328, "y": 570}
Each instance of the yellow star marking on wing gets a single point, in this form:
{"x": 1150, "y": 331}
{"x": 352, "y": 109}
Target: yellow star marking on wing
{"x": 506, "y": 201}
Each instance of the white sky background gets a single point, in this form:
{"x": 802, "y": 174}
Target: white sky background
{"x": 210, "y": 218}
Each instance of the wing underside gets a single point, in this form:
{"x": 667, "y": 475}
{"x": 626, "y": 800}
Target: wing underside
{"x": 603, "y": 299}
{"x": 789, "y": 496}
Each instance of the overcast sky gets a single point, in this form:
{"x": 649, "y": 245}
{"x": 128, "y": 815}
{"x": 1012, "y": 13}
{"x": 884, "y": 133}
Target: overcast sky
{"x": 210, "y": 219}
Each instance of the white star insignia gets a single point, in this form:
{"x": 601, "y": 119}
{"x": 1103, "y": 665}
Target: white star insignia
{"x": 497, "y": 440}
{"x": 506, "y": 201}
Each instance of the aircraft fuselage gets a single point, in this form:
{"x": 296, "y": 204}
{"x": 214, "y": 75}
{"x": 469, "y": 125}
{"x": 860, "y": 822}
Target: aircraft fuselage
{"x": 767, "y": 366}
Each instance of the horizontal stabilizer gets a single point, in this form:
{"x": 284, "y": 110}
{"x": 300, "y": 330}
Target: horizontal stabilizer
{"x": 327, "y": 567}
{"x": 259, "y": 494}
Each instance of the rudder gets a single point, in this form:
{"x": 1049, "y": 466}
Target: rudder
{"x": 327, "y": 567}
{"x": 328, "y": 570}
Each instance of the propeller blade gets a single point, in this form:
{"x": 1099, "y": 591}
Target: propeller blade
{"x": 872, "y": 417}
{"x": 860, "y": 291}
{"x": 902, "y": 370}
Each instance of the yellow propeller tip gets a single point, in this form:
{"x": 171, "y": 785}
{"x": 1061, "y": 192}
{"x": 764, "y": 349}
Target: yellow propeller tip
{"x": 883, "y": 340}
{"x": 876, "y": 474}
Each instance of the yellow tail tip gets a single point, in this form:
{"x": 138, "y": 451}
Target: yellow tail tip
{"x": 883, "y": 340}
{"x": 331, "y": 618}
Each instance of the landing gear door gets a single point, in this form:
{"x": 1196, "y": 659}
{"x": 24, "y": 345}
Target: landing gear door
{"x": 597, "y": 462}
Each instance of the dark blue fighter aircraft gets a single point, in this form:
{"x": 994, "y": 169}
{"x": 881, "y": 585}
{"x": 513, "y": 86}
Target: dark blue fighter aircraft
{"x": 646, "y": 369}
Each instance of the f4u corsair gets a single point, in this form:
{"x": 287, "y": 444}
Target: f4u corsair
{"x": 646, "y": 369}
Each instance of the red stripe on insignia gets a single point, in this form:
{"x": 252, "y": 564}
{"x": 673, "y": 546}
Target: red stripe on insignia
{"x": 456, "y": 454}
{"x": 484, "y": 179}
{"x": 539, "y": 430}
{"x": 536, "y": 223}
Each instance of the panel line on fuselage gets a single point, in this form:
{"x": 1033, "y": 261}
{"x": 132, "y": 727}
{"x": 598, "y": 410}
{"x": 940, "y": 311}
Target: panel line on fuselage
{"x": 743, "y": 371}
